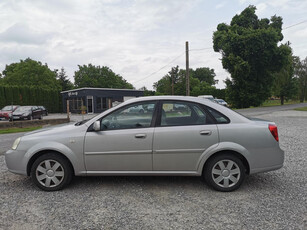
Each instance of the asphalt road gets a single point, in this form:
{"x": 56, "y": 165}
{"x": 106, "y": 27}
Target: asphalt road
{"x": 273, "y": 200}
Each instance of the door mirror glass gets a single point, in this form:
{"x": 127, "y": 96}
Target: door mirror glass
{"x": 96, "y": 126}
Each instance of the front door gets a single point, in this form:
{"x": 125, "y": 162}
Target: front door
{"x": 124, "y": 142}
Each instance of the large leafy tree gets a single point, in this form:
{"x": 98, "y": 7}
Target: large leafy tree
{"x": 62, "y": 78}
{"x": 97, "y": 76}
{"x": 300, "y": 70}
{"x": 250, "y": 53}
{"x": 30, "y": 73}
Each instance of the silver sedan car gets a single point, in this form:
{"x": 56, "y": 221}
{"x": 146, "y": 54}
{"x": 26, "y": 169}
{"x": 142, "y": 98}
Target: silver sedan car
{"x": 182, "y": 136}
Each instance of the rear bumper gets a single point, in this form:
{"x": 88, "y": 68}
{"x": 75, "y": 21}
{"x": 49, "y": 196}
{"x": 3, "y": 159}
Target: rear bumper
{"x": 272, "y": 160}
{"x": 267, "y": 169}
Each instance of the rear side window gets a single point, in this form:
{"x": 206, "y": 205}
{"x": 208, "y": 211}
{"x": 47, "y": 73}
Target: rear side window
{"x": 219, "y": 117}
{"x": 177, "y": 113}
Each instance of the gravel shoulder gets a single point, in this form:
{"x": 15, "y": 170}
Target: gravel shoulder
{"x": 273, "y": 200}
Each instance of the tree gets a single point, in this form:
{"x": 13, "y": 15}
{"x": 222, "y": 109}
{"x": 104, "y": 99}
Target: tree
{"x": 205, "y": 74}
{"x": 199, "y": 84}
{"x": 63, "y": 80}
{"x": 100, "y": 77}
{"x": 300, "y": 70}
{"x": 30, "y": 73}
{"x": 250, "y": 53}
{"x": 285, "y": 84}
{"x": 147, "y": 92}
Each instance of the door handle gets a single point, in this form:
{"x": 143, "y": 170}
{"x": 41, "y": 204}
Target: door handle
{"x": 205, "y": 132}
{"x": 140, "y": 135}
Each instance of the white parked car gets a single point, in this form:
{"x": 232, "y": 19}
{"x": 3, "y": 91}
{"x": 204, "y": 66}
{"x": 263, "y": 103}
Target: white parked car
{"x": 221, "y": 102}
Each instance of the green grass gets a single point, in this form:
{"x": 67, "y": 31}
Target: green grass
{"x": 301, "y": 109}
{"x": 18, "y": 130}
{"x": 277, "y": 102}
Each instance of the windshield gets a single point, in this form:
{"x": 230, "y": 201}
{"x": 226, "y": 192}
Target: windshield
{"x": 23, "y": 109}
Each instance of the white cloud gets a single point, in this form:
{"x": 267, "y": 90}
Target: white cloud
{"x": 22, "y": 34}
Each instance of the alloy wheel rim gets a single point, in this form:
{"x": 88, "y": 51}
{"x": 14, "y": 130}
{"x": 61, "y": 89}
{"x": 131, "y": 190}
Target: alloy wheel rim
{"x": 50, "y": 173}
{"x": 226, "y": 173}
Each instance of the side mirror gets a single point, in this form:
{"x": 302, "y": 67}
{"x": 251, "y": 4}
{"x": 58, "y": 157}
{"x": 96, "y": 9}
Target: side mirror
{"x": 96, "y": 126}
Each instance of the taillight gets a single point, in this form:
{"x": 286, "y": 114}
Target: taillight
{"x": 273, "y": 130}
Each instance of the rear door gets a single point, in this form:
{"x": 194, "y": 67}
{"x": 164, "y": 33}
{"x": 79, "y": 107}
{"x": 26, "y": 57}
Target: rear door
{"x": 184, "y": 132}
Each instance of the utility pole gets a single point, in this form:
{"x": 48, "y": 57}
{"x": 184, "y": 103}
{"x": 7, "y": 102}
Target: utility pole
{"x": 172, "y": 83}
{"x": 187, "y": 68}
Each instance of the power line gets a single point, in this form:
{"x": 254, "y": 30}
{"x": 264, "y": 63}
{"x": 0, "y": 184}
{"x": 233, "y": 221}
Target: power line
{"x": 295, "y": 24}
{"x": 207, "y": 48}
{"x": 159, "y": 69}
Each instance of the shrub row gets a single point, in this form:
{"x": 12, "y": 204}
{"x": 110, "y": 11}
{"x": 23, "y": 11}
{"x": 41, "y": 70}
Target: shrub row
{"x": 17, "y": 95}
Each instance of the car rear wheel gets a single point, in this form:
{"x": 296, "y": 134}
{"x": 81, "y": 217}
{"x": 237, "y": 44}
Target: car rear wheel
{"x": 224, "y": 172}
{"x": 51, "y": 172}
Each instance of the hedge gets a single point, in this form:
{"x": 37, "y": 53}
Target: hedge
{"x": 24, "y": 95}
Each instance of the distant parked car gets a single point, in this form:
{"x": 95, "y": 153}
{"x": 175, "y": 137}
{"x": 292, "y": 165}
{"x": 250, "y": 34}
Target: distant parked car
{"x": 209, "y": 97}
{"x": 221, "y": 102}
{"x": 44, "y": 110}
{"x": 27, "y": 112}
{"x": 6, "y": 112}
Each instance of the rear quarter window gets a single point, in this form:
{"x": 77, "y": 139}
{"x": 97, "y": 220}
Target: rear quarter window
{"x": 219, "y": 117}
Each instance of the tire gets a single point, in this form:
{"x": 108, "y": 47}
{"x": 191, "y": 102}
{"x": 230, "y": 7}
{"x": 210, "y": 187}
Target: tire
{"x": 30, "y": 118}
{"x": 40, "y": 117}
{"x": 224, "y": 172}
{"x": 51, "y": 172}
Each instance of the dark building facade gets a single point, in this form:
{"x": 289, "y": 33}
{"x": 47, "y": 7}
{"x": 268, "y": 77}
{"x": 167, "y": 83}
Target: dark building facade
{"x": 96, "y": 100}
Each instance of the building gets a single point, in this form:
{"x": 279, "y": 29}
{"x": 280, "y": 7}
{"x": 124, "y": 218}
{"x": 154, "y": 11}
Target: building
{"x": 96, "y": 100}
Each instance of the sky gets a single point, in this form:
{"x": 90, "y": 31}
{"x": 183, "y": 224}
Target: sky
{"x": 138, "y": 39}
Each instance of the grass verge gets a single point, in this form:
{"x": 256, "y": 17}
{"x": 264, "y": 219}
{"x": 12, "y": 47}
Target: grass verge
{"x": 277, "y": 102}
{"x": 301, "y": 109}
{"x": 18, "y": 130}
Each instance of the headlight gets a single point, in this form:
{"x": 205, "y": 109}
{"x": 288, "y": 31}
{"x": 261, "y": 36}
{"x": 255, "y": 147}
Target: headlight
{"x": 16, "y": 143}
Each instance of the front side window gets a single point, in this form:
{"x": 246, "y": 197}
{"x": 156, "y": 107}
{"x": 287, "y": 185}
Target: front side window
{"x": 131, "y": 116}
{"x": 183, "y": 113}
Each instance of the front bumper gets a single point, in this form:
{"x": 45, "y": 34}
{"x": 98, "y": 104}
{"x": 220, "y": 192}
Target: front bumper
{"x": 15, "y": 161}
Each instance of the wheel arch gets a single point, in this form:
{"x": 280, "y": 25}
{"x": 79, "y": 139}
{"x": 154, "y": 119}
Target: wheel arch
{"x": 231, "y": 152}
{"x": 42, "y": 152}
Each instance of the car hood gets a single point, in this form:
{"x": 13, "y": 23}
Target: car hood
{"x": 55, "y": 130}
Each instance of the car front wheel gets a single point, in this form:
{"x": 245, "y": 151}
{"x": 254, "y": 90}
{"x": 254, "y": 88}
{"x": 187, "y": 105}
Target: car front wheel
{"x": 51, "y": 172}
{"x": 224, "y": 172}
